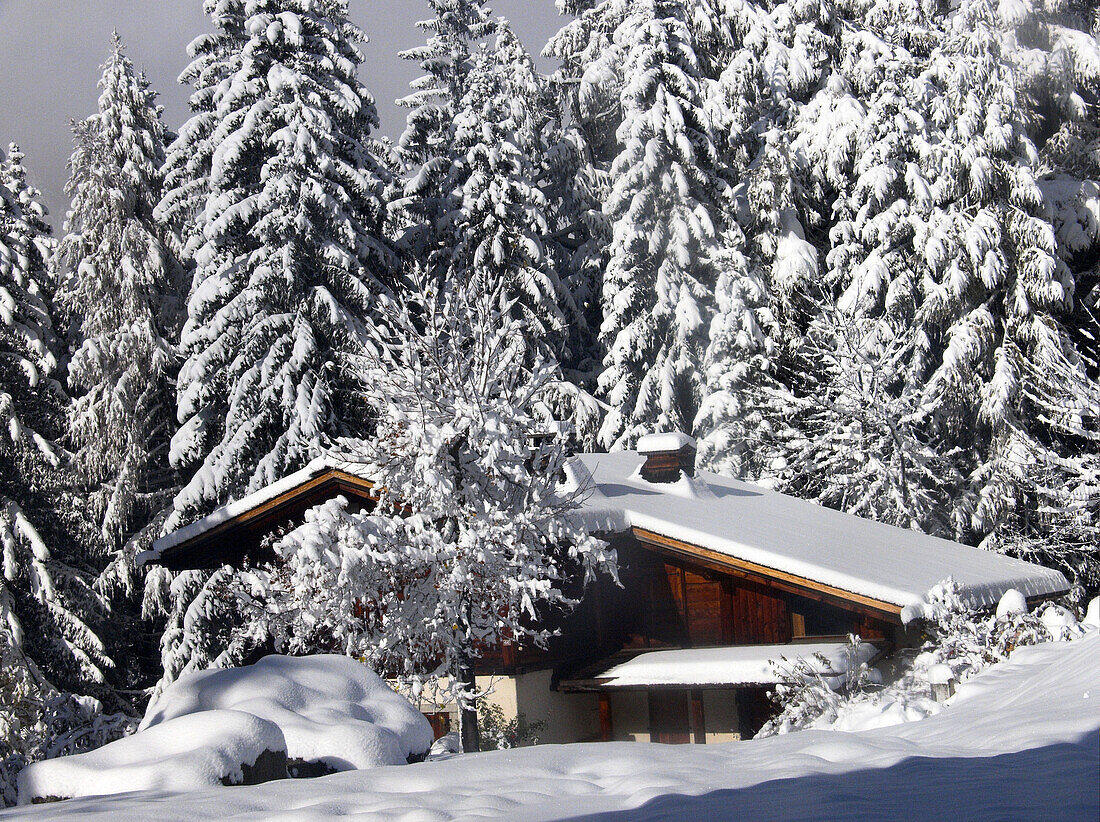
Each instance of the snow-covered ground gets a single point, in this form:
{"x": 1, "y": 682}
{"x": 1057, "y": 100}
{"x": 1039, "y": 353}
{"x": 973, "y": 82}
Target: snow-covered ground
{"x": 1019, "y": 742}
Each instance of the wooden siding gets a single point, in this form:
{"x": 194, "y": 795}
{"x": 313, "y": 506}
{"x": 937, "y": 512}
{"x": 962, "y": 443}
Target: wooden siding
{"x": 774, "y": 578}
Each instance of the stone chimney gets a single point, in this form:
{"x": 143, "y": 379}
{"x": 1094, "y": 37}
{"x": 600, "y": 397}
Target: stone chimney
{"x": 667, "y": 456}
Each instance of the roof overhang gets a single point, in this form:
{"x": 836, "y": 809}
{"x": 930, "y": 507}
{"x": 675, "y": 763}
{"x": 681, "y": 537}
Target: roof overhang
{"x": 726, "y": 564}
{"x": 232, "y": 538}
{"x": 734, "y": 666}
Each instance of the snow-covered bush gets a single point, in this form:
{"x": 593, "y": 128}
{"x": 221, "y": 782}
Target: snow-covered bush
{"x": 967, "y": 641}
{"x": 334, "y": 712}
{"x": 188, "y": 753}
{"x": 282, "y": 716}
{"x": 958, "y": 643}
{"x": 807, "y": 696}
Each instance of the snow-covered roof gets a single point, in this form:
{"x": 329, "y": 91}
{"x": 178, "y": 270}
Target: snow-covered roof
{"x": 734, "y": 665}
{"x": 747, "y": 523}
{"x": 237, "y": 508}
{"x": 752, "y": 524}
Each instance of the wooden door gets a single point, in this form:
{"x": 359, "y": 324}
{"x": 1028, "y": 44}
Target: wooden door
{"x": 668, "y": 717}
{"x": 440, "y": 722}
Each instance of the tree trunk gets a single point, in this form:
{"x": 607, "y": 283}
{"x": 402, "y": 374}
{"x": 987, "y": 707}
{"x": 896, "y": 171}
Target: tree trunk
{"x": 471, "y": 736}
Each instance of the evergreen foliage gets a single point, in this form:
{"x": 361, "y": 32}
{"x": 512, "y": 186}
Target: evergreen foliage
{"x": 276, "y": 187}
{"x": 50, "y": 616}
{"x": 663, "y": 207}
{"x": 118, "y": 294}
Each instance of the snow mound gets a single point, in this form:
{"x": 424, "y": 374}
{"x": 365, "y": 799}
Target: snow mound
{"x": 1012, "y": 602}
{"x": 1019, "y": 741}
{"x": 332, "y": 710}
{"x": 183, "y": 754}
{"x": 1092, "y": 615}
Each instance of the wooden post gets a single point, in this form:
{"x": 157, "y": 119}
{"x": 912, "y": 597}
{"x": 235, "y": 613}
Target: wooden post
{"x": 605, "y": 716}
{"x": 697, "y": 719}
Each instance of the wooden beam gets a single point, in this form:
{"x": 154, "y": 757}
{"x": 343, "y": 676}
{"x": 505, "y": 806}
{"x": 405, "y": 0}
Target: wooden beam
{"x": 697, "y": 719}
{"x": 605, "y": 716}
{"x": 782, "y": 580}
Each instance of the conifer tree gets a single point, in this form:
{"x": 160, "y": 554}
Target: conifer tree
{"x": 495, "y": 222}
{"x": 118, "y": 292}
{"x": 427, "y": 145}
{"x": 49, "y": 613}
{"x": 997, "y": 291}
{"x": 275, "y": 187}
{"x": 663, "y": 207}
{"x": 587, "y": 89}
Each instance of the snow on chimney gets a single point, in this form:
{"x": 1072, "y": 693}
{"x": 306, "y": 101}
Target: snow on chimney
{"x": 667, "y": 456}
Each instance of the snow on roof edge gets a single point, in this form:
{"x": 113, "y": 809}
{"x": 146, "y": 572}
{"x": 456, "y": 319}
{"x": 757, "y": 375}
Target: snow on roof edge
{"x": 733, "y": 665}
{"x": 635, "y": 505}
{"x": 236, "y": 508}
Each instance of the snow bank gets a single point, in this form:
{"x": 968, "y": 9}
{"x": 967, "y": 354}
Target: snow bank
{"x": 736, "y": 665}
{"x": 331, "y": 709}
{"x": 184, "y": 754}
{"x": 1019, "y": 741}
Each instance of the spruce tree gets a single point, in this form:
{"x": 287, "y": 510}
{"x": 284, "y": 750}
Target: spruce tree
{"x": 50, "y": 615}
{"x": 586, "y": 88}
{"x": 275, "y": 187}
{"x": 661, "y": 273}
{"x": 495, "y": 222}
{"x": 427, "y": 145}
{"x": 118, "y": 292}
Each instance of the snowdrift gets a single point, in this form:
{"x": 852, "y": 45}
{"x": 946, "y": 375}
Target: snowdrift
{"x": 304, "y": 716}
{"x": 335, "y": 713}
{"x": 185, "y": 754}
{"x": 1019, "y": 741}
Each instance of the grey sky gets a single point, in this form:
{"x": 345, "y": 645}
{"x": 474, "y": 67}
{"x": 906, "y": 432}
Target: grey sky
{"x": 51, "y": 50}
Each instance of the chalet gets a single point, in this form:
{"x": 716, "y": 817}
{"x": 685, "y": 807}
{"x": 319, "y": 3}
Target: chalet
{"x": 719, "y": 579}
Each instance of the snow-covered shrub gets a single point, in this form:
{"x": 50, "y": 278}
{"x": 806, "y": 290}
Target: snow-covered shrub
{"x": 807, "y": 697}
{"x": 188, "y": 753}
{"x": 967, "y": 641}
{"x": 958, "y": 642}
{"x": 500, "y": 733}
{"x": 334, "y": 712}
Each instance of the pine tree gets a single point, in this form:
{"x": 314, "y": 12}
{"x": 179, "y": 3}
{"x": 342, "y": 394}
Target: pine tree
{"x": 427, "y": 145}
{"x": 663, "y": 207}
{"x": 276, "y": 188}
{"x": 999, "y": 293}
{"x": 49, "y": 612}
{"x": 762, "y": 68}
{"x": 586, "y": 88}
{"x": 493, "y": 229}
{"x": 118, "y": 292}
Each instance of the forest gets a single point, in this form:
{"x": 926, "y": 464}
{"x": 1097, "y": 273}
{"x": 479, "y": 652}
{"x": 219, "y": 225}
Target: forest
{"x": 851, "y": 246}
